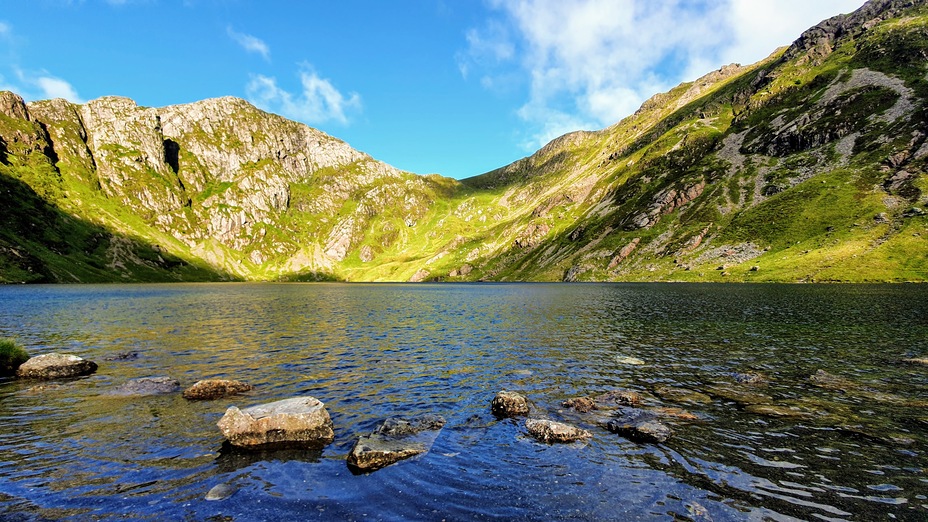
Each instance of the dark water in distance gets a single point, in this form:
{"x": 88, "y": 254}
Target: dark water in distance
{"x": 374, "y": 351}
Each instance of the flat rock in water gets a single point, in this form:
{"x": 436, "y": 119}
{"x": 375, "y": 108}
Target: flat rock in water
{"x": 675, "y": 413}
{"x": 750, "y": 378}
{"x": 55, "y": 366}
{"x": 396, "y": 439}
{"x": 917, "y": 360}
{"x": 122, "y": 356}
{"x": 301, "y": 421}
{"x": 146, "y": 386}
{"x": 631, "y": 361}
{"x": 509, "y": 404}
{"x": 210, "y": 389}
{"x": 681, "y": 395}
{"x": 639, "y": 426}
{"x": 771, "y": 410}
{"x": 739, "y": 395}
{"x": 830, "y": 381}
{"x": 551, "y": 431}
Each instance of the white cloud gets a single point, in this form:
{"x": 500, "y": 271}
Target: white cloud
{"x": 250, "y": 43}
{"x": 589, "y": 63}
{"x": 5, "y": 30}
{"x": 40, "y": 85}
{"x": 52, "y": 87}
{"x": 318, "y": 102}
{"x": 759, "y": 27}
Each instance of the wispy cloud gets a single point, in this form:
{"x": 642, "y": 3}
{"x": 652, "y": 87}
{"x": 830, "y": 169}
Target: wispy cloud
{"x": 31, "y": 84}
{"x": 40, "y": 85}
{"x": 318, "y": 101}
{"x": 250, "y": 43}
{"x": 589, "y": 63}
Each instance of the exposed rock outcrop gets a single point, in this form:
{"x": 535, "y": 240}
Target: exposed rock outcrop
{"x": 301, "y": 421}
{"x": 55, "y": 366}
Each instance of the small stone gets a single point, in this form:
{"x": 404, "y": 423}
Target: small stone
{"x": 739, "y": 394}
{"x": 632, "y": 361}
{"x": 750, "y": 378}
{"x": 509, "y": 404}
{"x": 210, "y": 389}
{"x": 301, "y": 421}
{"x": 55, "y": 366}
{"x": 580, "y": 404}
{"x": 917, "y": 360}
{"x": 754, "y": 268}
{"x": 220, "y": 492}
{"x": 551, "y": 431}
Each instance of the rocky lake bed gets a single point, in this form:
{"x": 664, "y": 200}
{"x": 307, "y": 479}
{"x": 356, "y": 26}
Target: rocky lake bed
{"x": 532, "y": 415}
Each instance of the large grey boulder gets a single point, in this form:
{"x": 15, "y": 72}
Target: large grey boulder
{"x": 55, "y": 366}
{"x": 302, "y": 421}
{"x": 394, "y": 440}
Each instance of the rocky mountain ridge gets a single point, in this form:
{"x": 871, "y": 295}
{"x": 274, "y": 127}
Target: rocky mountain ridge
{"x": 807, "y": 166}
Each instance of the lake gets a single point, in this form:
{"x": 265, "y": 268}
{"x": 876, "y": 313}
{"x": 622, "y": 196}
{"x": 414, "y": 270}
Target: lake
{"x": 769, "y": 443}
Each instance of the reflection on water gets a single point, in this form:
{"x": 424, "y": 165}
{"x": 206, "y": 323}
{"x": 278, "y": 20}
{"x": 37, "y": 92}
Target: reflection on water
{"x": 781, "y": 449}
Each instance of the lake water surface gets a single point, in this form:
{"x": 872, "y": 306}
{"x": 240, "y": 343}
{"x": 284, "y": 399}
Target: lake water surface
{"x": 72, "y": 450}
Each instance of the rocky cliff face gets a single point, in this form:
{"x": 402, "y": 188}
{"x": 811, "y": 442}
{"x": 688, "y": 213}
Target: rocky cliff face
{"x": 809, "y": 165}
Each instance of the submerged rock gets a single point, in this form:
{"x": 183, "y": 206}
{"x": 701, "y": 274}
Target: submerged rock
{"x": 639, "y": 426}
{"x": 55, "y": 366}
{"x": 632, "y": 361}
{"x": 122, "y": 356}
{"x": 682, "y": 395}
{"x": 618, "y": 398}
{"x": 738, "y": 395}
{"x": 210, "y": 389}
{"x": 917, "y": 360}
{"x": 300, "y": 421}
{"x": 675, "y": 413}
{"x": 750, "y": 378}
{"x": 147, "y": 386}
{"x": 220, "y": 492}
{"x": 551, "y": 431}
{"x": 830, "y": 381}
{"x": 509, "y": 404}
{"x": 771, "y": 410}
{"x": 394, "y": 440}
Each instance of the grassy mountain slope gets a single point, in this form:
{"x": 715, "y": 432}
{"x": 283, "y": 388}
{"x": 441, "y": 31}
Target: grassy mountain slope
{"x": 807, "y": 166}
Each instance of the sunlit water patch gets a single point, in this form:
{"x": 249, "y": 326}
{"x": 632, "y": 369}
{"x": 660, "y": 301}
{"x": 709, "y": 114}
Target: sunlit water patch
{"x": 768, "y": 440}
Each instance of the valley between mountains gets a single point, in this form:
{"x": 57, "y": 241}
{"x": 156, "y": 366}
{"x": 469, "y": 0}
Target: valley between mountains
{"x": 807, "y": 166}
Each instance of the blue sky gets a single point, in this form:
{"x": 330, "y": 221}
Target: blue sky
{"x": 457, "y": 87}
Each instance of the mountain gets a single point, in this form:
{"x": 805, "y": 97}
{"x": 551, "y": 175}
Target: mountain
{"x": 807, "y": 166}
